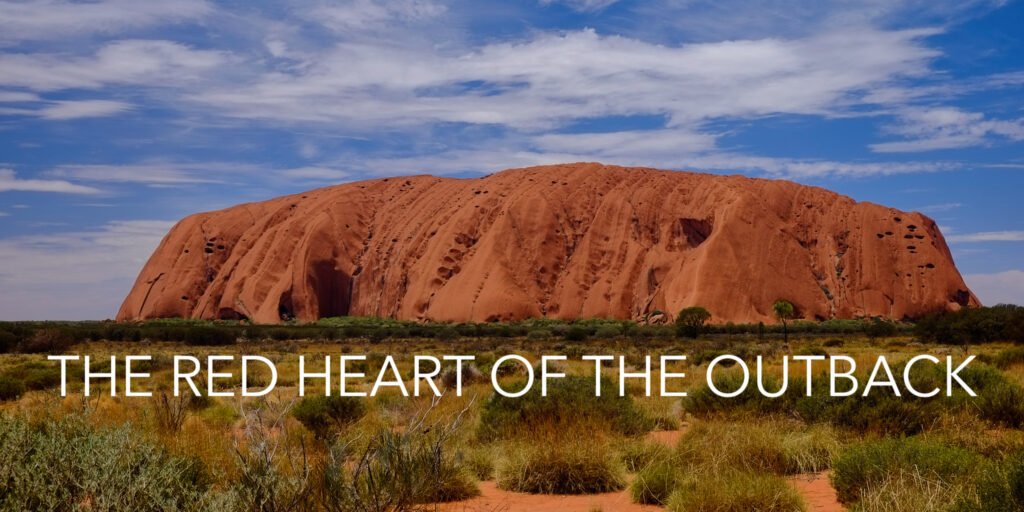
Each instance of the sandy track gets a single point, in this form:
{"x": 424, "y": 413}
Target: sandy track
{"x": 814, "y": 487}
{"x": 492, "y": 499}
{"x": 817, "y": 492}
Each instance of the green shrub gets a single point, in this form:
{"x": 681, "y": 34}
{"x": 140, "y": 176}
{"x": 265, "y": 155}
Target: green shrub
{"x": 690, "y": 321}
{"x": 879, "y": 328}
{"x": 8, "y": 341}
{"x": 607, "y": 332}
{"x": 812, "y": 350}
{"x": 973, "y": 325}
{"x": 735, "y": 491}
{"x": 1000, "y": 488}
{"x": 869, "y": 463}
{"x": 570, "y": 400}
{"x": 576, "y": 333}
{"x": 706, "y": 356}
{"x": 395, "y": 472}
{"x": 209, "y": 335}
{"x": 67, "y": 464}
{"x": 325, "y": 415}
{"x": 38, "y": 375}
{"x": 538, "y": 334}
{"x": 10, "y": 388}
{"x": 447, "y": 333}
{"x": 560, "y": 465}
{"x": 45, "y": 341}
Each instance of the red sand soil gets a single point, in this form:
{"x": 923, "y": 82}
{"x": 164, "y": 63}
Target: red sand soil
{"x": 817, "y": 492}
{"x": 565, "y": 241}
{"x": 669, "y": 437}
{"x": 493, "y": 499}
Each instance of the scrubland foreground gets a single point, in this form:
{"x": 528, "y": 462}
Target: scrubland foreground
{"x": 391, "y": 453}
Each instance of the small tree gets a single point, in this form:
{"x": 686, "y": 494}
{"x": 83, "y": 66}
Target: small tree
{"x": 691, "y": 320}
{"x": 783, "y": 311}
{"x": 879, "y": 328}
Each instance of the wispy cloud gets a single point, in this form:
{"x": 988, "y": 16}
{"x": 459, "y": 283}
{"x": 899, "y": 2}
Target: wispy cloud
{"x": 583, "y": 5}
{"x": 67, "y": 109}
{"x": 82, "y": 108}
{"x": 987, "y": 236}
{"x": 550, "y": 79}
{"x": 145, "y": 62}
{"x": 56, "y": 19}
{"x": 355, "y": 15}
{"x": 17, "y": 97}
{"x": 9, "y": 182}
{"x": 317, "y": 174}
{"x": 941, "y": 207}
{"x": 172, "y": 174}
{"x": 947, "y": 128}
{"x": 157, "y": 173}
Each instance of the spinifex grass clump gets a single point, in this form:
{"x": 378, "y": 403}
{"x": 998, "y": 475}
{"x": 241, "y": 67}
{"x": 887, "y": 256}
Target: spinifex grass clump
{"x": 749, "y": 457}
{"x": 67, "y": 464}
{"x": 637, "y": 454}
{"x": 569, "y": 400}
{"x": 867, "y": 465}
{"x": 735, "y": 491}
{"x": 553, "y": 462}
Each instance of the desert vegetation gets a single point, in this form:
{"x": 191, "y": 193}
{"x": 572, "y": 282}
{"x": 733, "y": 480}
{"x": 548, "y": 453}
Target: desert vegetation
{"x": 390, "y": 452}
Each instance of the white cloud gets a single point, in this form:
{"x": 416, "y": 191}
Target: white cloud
{"x": 988, "y": 236}
{"x": 349, "y": 15}
{"x": 550, "y": 79}
{"x": 158, "y": 173}
{"x": 142, "y": 62}
{"x": 62, "y": 110}
{"x": 57, "y": 19}
{"x": 172, "y": 174}
{"x": 583, "y": 5}
{"x": 4, "y": 214}
{"x": 9, "y": 182}
{"x": 74, "y": 275}
{"x": 735, "y": 19}
{"x": 317, "y": 174}
{"x": 947, "y": 128}
{"x": 998, "y": 288}
{"x": 657, "y": 144}
{"x": 942, "y": 207}
{"x": 308, "y": 150}
{"x": 17, "y": 97}
{"x": 636, "y": 148}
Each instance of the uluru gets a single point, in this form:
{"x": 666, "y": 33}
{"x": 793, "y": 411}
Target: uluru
{"x": 565, "y": 241}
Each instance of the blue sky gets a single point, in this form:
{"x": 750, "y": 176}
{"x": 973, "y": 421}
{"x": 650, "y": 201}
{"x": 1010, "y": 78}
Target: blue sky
{"x": 118, "y": 117}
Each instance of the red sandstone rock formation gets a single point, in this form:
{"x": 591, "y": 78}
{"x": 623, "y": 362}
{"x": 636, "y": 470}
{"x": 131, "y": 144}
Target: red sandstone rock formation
{"x": 564, "y": 241}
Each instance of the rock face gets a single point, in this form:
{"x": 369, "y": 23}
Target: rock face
{"x": 564, "y": 241}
